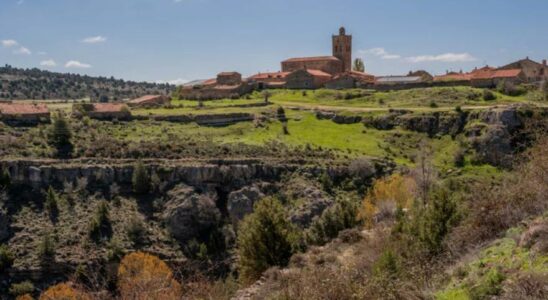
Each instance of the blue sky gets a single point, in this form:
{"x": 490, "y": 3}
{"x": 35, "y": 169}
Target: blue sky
{"x": 176, "y": 40}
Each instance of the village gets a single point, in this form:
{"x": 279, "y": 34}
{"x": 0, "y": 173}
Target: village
{"x": 335, "y": 72}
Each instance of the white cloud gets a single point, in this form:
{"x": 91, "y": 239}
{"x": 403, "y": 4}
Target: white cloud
{"x": 177, "y": 81}
{"x": 380, "y": 52}
{"x": 446, "y": 57}
{"x": 76, "y": 64}
{"x": 48, "y": 63}
{"x": 94, "y": 40}
{"x": 22, "y": 51}
{"x": 9, "y": 43}
{"x": 42, "y": 53}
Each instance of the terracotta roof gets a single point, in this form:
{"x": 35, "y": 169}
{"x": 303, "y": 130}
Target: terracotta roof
{"x": 145, "y": 99}
{"x": 453, "y": 77}
{"x": 108, "y": 107}
{"x": 312, "y": 58}
{"x": 271, "y": 75}
{"x": 356, "y": 75}
{"x": 23, "y": 109}
{"x": 489, "y": 74}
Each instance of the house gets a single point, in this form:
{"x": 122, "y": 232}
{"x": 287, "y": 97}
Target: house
{"x": 149, "y": 101}
{"x": 491, "y": 78}
{"x": 426, "y": 77}
{"x": 102, "y": 111}
{"x": 269, "y": 80}
{"x": 226, "y": 85}
{"x": 349, "y": 80}
{"x": 307, "y": 79}
{"x": 532, "y": 70}
{"x": 24, "y": 113}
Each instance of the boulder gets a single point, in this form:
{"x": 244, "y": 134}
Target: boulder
{"x": 309, "y": 201}
{"x": 189, "y": 215}
{"x": 240, "y": 202}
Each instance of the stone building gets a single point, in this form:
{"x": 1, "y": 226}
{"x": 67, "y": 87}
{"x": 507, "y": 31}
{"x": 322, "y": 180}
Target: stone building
{"x": 532, "y": 70}
{"x": 339, "y": 62}
{"x": 269, "y": 80}
{"x": 307, "y": 79}
{"x": 24, "y": 113}
{"x": 149, "y": 101}
{"x": 226, "y": 85}
{"x": 491, "y": 78}
{"x": 350, "y": 80}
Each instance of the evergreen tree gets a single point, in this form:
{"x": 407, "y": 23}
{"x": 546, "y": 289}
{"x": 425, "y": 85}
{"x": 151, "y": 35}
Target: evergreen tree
{"x": 359, "y": 66}
{"x": 438, "y": 219}
{"x": 51, "y": 203}
{"x": 140, "y": 179}
{"x": 265, "y": 238}
{"x": 60, "y": 136}
{"x": 5, "y": 179}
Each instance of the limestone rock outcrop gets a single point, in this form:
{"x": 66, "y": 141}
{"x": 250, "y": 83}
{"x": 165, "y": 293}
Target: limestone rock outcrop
{"x": 188, "y": 214}
{"x": 240, "y": 203}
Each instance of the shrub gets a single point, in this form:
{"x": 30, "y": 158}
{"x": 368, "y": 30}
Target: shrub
{"x": 46, "y": 249}
{"x": 63, "y": 291}
{"x": 387, "y": 266}
{"x": 6, "y": 258}
{"x": 336, "y": 218}
{"x": 135, "y": 230}
{"x": 60, "y": 136}
{"x": 488, "y": 95}
{"x": 100, "y": 226}
{"x": 21, "y": 288}
{"x": 140, "y": 179}
{"x": 144, "y": 276}
{"x": 459, "y": 158}
{"x": 266, "y": 238}
{"x": 458, "y": 109}
{"x": 437, "y": 220}
{"x": 433, "y": 104}
{"x": 490, "y": 285}
{"x": 385, "y": 197}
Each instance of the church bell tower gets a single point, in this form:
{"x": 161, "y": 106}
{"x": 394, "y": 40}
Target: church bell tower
{"x": 342, "y": 49}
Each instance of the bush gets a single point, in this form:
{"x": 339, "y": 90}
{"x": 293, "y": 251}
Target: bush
{"x": 140, "y": 179}
{"x": 144, "y": 276}
{"x": 433, "y": 104}
{"x": 336, "y": 218}
{"x": 265, "y": 238}
{"x": 488, "y": 95}
{"x": 100, "y": 227}
{"x": 135, "y": 230}
{"x": 6, "y": 258}
{"x": 5, "y": 179}
{"x": 459, "y": 158}
{"x": 21, "y": 288}
{"x": 60, "y": 136}
{"x": 64, "y": 291}
{"x": 46, "y": 249}
{"x": 490, "y": 285}
{"x": 437, "y": 220}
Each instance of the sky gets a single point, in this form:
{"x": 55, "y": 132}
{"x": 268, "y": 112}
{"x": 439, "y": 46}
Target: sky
{"x": 180, "y": 40}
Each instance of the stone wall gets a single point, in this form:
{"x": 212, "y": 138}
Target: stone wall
{"x": 330, "y": 66}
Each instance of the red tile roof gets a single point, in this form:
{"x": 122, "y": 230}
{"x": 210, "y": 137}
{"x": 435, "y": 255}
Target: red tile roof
{"x": 357, "y": 75}
{"x": 108, "y": 107}
{"x": 23, "y": 109}
{"x": 145, "y": 99}
{"x": 490, "y": 74}
{"x": 453, "y": 77}
{"x": 272, "y": 75}
{"x": 228, "y": 73}
{"x": 312, "y": 58}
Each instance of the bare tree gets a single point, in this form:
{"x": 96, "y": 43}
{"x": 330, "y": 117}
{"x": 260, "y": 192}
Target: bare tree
{"x": 424, "y": 173}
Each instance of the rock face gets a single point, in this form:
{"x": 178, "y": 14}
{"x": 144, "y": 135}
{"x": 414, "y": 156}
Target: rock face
{"x": 240, "y": 202}
{"x": 4, "y": 225}
{"x": 310, "y": 201}
{"x": 494, "y": 146}
{"x": 188, "y": 214}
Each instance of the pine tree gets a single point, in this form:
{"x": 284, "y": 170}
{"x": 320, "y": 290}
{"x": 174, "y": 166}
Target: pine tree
{"x": 438, "y": 219}
{"x": 51, "y": 203}
{"x": 140, "y": 179}
{"x": 266, "y": 238}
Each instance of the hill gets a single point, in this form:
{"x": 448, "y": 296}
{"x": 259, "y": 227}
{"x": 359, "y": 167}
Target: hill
{"x": 35, "y": 84}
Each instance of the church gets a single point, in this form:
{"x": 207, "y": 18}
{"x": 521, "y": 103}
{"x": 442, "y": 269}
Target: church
{"x": 339, "y": 62}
